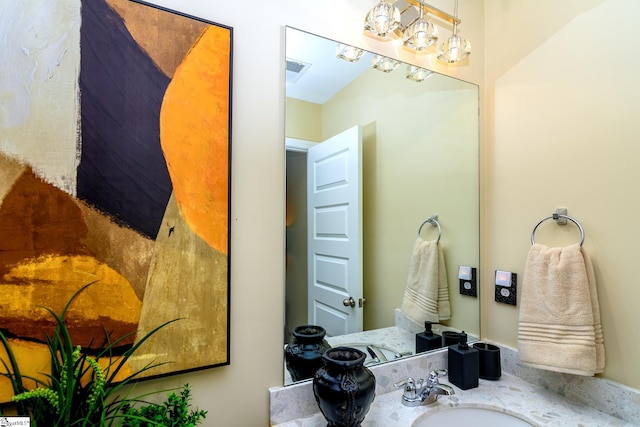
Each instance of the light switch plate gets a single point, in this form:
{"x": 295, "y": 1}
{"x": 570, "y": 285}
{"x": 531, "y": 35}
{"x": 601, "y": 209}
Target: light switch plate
{"x": 468, "y": 281}
{"x": 506, "y": 287}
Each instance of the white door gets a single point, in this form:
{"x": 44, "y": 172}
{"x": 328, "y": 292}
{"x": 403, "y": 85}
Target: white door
{"x": 334, "y": 234}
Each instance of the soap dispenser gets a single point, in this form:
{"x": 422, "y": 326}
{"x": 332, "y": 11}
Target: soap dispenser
{"x": 464, "y": 364}
{"x": 427, "y": 340}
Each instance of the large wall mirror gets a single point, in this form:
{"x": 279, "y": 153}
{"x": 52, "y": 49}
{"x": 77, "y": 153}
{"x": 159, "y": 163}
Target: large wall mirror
{"x": 417, "y": 156}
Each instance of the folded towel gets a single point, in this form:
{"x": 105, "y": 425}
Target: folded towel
{"x": 426, "y": 295}
{"x": 559, "y": 326}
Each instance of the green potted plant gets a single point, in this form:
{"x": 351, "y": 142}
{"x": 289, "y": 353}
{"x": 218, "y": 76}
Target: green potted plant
{"x": 175, "y": 411}
{"x": 78, "y": 390}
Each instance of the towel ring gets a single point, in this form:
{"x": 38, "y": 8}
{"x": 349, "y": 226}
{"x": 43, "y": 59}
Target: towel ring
{"x": 556, "y": 216}
{"x": 434, "y": 221}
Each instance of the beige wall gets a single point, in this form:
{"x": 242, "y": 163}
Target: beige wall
{"x": 562, "y": 132}
{"x": 304, "y": 120}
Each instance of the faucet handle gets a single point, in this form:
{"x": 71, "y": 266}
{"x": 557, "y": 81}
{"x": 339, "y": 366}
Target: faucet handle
{"x": 434, "y": 375}
{"x": 409, "y": 384}
{"x": 411, "y": 396}
{"x": 411, "y": 387}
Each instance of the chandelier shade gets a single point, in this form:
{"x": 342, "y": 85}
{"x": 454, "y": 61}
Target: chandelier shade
{"x": 420, "y": 34}
{"x": 455, "y": 49}
{"x": 383, "y": 19}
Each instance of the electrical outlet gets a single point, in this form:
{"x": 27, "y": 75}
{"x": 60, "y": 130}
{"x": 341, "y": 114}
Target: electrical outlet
{"x": 468, "y": 281}
{"x": 506, "y": 287}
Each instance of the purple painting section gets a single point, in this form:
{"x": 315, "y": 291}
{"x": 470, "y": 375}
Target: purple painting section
{"x": 122, "y": 169}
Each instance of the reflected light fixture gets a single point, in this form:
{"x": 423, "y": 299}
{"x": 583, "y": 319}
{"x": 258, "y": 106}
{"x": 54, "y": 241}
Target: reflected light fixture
{"x": 384, "y": 64}
{"x": 407, "y": 19}
{"x": 456, "y": 48}
{"x": 383, "y": 19}
{"x": 418, "y": 74}
{"x": 348, "y": 53}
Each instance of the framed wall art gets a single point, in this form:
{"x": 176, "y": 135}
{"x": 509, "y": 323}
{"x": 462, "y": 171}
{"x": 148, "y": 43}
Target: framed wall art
{"x": 115, "y": 149}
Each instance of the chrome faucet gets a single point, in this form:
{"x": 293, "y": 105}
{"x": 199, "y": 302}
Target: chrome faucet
{"x": 424, "y": 392}
{"x": 376, "y": 354}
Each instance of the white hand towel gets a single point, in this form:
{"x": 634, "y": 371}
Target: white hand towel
{"x": 426, "y": 295}
{"x": 559, "y": 326}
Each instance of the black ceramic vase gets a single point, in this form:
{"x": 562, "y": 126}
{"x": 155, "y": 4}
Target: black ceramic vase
{"x": 344, "y": 388}
{"x": 303, "y": 355}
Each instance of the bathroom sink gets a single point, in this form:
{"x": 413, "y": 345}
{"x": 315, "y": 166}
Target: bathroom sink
{"x": 469, "y": 416}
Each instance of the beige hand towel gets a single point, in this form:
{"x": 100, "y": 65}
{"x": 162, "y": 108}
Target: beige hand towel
{"x": 426, "y": 295}
{"x": 559, "y": 326}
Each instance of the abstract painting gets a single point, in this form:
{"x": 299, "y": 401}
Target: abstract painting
{"x": 115, "y": 130}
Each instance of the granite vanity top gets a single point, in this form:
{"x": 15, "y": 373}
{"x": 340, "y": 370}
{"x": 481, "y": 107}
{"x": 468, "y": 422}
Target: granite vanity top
{"x": 541, "y": 398}
{"x": 509, "y": 394}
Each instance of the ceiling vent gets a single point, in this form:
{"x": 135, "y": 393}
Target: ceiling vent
{"x": 295, "y": 69}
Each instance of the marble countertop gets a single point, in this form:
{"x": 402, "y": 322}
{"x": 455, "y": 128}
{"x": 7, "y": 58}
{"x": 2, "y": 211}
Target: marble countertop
{"x": 509, "y": 394}
{"x": 542, "y": 398}
{"x": 392, "y": 337}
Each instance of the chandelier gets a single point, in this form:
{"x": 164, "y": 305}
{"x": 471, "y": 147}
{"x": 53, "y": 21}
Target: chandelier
{"x": 408, "y": 19}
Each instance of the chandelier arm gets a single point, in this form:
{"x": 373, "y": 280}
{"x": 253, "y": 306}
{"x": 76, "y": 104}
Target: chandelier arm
{"x": 437, "y": 12}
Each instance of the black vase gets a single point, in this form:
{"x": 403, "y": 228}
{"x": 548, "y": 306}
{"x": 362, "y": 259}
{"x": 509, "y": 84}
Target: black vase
{"x": 344, "y": 388}
{"x": 303, "y": 355}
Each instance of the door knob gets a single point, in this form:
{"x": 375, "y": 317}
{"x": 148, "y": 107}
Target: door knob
{"x": 349, "y": 302}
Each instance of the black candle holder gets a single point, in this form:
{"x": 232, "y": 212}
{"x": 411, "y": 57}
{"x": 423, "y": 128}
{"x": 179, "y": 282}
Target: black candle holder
{"x": 450, "y": 338}
{"x": 490, "y": 366}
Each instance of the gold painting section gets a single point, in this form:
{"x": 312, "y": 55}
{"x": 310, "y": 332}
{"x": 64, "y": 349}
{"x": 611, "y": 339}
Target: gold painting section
{"x": 146, "y": 25}
{"x": 48, "y": 252}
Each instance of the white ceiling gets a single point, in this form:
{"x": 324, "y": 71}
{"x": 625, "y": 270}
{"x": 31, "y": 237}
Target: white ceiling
{"x": 327, "y": 74}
